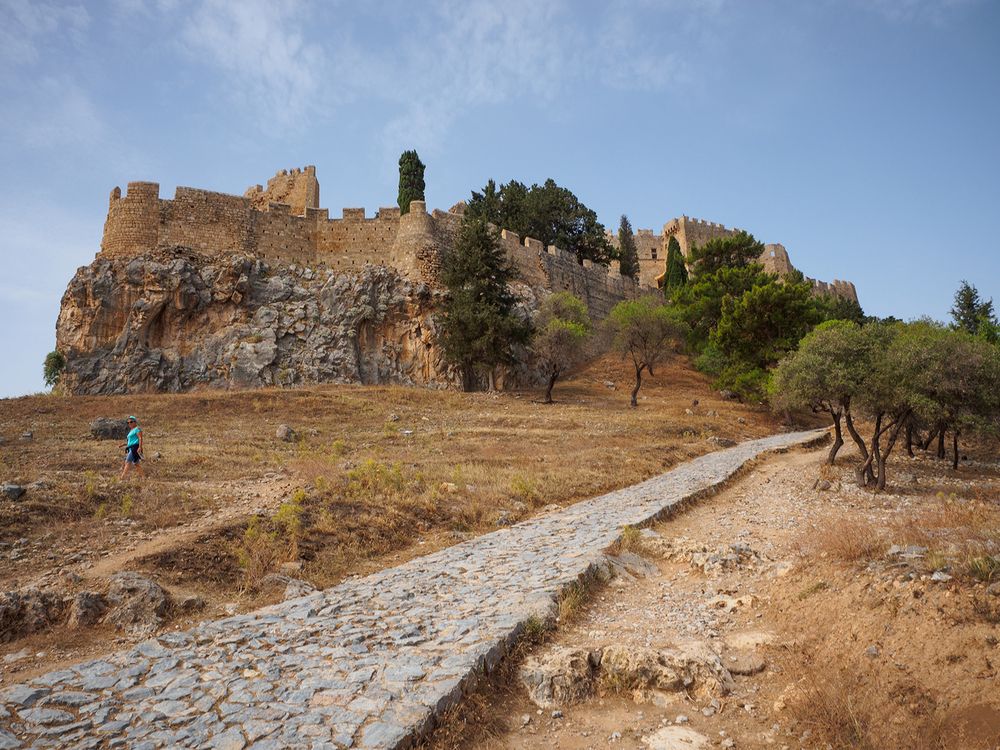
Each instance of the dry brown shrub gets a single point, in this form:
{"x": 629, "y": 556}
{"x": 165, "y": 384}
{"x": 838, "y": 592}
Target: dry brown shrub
{"x": 849, "y": 540}
{"x": 845, "y": 708}
{"x": 962, "y": 535}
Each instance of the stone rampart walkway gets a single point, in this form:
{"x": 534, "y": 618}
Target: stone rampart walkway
{"x": 366, "y": 664}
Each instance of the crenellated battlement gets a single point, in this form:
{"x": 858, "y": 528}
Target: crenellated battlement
{"x": 284, "y": 223}
{"x": 691, "y": 232}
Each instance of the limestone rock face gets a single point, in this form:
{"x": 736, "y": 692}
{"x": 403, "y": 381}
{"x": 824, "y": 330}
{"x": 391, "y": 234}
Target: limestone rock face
{"x": 174, "y": 319}
{"x": 562, "y": 676}
{"x": 138, "y": 604}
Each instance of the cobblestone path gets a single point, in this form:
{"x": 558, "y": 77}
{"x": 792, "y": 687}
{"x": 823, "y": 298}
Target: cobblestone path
{"x": 366, "y": 664}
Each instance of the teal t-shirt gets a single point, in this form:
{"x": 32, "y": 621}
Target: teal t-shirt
{"x": 133, "y": 437}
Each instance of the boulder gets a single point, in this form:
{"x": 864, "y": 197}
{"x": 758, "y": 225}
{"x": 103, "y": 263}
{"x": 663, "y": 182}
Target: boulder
{"x": 286, "y": 433}
{"x": 105, "y": 428}
{"x": 631, "y": 668}
{"x": 27, "y": 611}
{"x": 560, "y": 676}
{"x": 138, "y": 604}
{"x": 12, "y": 491}
{"x": 693, "y": 668}
{"x": 86, "y": 609}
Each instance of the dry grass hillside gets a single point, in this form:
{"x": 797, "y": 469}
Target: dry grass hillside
{"x": 375, "y": 475}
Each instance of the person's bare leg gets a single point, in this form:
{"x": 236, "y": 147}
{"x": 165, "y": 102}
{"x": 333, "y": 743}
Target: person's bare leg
{"x": 121, "y": 478}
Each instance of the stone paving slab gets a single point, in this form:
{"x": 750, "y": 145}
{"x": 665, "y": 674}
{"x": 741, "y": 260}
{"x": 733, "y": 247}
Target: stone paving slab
{"x": 366, "y": 664}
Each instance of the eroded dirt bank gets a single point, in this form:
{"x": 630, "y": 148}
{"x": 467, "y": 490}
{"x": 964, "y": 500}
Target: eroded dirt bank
{"x": 840, "y": 619}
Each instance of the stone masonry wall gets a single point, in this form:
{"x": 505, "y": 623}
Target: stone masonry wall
{"x": 299, "y": 188}
{"x": 652, "y": 252}
{"x": 297, "y": 231}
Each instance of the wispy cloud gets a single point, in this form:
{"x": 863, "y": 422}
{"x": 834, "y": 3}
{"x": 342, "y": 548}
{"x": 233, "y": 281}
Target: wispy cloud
{"x": 476, "y": 52}
{"x": 292, "y": 62}
{"x": 27, "y": 24}
{"x": 42, "y": 109}
{"x": 53, "y": 112}
{"x": 262, "y": 47}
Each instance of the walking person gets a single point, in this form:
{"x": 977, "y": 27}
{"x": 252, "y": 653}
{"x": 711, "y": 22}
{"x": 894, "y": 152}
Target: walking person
{"x": 133, "y": 448}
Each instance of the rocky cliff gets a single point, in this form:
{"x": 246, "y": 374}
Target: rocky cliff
{"x": 173, "y": 319}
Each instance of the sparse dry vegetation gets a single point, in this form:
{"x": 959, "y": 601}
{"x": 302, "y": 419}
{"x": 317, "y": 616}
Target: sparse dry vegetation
{"x": 842, "y": 707}
{"x": 376, "y": 474}
{"x": 849, "y": 540}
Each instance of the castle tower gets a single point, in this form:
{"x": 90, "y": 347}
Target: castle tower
{"x": 298, "y": 188}
{"x": 775, "y": 259}
{"x": 133, "y": 222}
{"x": 415, "y": 250}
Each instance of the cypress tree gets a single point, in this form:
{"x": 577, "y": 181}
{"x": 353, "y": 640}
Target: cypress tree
{"x": 480, "y": 326}
{"x": 677, "y": 274}
{"x": 411, "y": 180}
{"x": 628, "y": 255}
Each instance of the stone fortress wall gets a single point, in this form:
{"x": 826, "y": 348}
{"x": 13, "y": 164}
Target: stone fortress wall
{"x": 283, "y": 223}
{"x": 652, "y": 252}
{"x": 299, "y": 231}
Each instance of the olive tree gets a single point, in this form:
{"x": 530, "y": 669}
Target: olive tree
{"x": 562, "y": 329}
{"x": 645, "y": 331}
{"x": 824, "y": 374}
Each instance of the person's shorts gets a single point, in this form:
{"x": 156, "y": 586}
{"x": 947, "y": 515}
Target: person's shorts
{"x": 132, "y": 455}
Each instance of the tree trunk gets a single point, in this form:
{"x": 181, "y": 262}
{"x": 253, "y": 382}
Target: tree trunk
{"x": 940, "y": 450}
{"x": 893, "y": 435}
{"x": 838, "y": 437}
{"x": 638, "y": 382}
{"x": 864, "y": 471}
{"x": 876, "y": 454}
{"x": 492, "y": 382}
{"x": 909, "y": 439}
{"x": 930, "y": 439}
{"x": 468, "y": 379}
{"x": 954, "y": 451}
{"x": 552, "y": 381}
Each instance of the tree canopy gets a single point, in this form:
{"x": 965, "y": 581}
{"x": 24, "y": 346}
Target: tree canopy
{"x": 628, "y": 255}
{"x": 645, "y": 331}
{"x": 735, "y": 251}
{"x": 676, "y": 271}
{"x": 480, "y": 326}
{"x": 548, "y": 212}
{"x": 970, "y": 312}
{"x": 54, "y": 365}
{"x": 894, "y": 375}
{"x": 562, "y": 329}
{"x": 411, "y": 180}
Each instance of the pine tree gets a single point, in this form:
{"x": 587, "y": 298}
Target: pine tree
{"x": 677, "y": 274}
{"x": 969, "y": 312}
{"x": 480, "y": 327}
{"x": 411, "y": 180}
{"x": 628, "y": 255}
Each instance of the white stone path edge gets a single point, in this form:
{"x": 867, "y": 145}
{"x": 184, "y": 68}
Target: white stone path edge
{"x": 369, "y": 663}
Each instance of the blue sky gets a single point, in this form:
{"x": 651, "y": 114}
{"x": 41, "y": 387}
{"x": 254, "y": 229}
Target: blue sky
{"x": 859, "y": 133}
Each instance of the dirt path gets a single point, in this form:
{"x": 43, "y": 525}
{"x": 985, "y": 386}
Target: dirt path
{"x": 744, "y": 573}
{"x": 263, "y": 497}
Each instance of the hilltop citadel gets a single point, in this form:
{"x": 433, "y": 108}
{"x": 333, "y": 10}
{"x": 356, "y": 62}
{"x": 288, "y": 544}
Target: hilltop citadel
{"x": 283, "y": 222}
